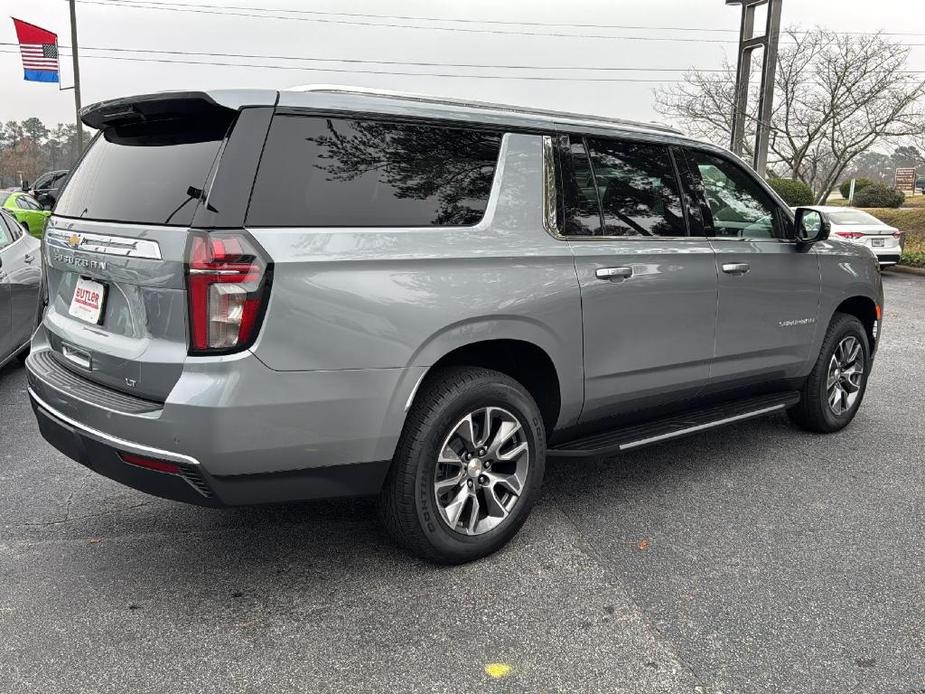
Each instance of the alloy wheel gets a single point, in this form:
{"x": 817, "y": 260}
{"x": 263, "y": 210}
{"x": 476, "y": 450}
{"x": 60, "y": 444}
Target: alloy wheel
{"x": 845, "y": 376}
{"x": 481, "y": 471}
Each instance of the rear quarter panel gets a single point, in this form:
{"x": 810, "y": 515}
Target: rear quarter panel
{"x": 383, "y": 298}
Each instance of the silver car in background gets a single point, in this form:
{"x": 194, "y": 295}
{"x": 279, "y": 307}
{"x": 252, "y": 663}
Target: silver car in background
{"x": 260, "y": 296}
{"x": 20, "y": 287}
{"x": 864, "y": 229}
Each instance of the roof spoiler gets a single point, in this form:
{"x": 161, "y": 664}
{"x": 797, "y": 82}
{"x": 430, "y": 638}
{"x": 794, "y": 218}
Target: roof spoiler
{"x": 152, "y": 107}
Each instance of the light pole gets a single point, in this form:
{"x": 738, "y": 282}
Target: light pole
{"x": 747, "y": 44}
{"x": 80, "y": 135}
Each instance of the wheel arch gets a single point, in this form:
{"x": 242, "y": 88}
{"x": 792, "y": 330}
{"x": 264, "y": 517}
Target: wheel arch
{"x": 523, "y": 361}
{"x": 522, "y": 348}
{"x": 865, "y": 310}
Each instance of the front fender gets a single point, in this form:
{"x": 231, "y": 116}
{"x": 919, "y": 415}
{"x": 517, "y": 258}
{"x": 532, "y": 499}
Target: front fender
{"x": 848, "y": 271}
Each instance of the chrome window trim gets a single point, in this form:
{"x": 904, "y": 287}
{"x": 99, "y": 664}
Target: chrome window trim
{"x": 550, "y": 189}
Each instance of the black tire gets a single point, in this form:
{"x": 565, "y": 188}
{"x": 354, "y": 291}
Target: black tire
{"x": 813, "y": 412}
{"x": 408, "y": 505}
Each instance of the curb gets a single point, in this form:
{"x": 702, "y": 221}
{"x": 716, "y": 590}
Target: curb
{"x": 908, "y": 269}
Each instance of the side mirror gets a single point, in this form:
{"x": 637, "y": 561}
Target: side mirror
{"x": 811, "y": 226}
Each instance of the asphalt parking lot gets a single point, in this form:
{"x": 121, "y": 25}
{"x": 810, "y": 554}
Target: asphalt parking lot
{"x": 752, "y": 559}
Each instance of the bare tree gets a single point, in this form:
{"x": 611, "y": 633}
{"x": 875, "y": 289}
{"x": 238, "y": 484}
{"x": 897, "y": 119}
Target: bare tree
{"x": 836, "y": 95}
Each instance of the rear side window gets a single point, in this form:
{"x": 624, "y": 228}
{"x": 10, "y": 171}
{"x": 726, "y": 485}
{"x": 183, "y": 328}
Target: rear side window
{"x": 618, "y": 188}
{"x": 582, "y": 212}
{"x": 638, "y": 189}
{"x": 335, "y": 172}
{"x": 151, "y": 174}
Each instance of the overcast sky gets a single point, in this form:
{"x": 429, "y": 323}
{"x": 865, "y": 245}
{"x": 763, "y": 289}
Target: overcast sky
{"x": 323, "y": 36}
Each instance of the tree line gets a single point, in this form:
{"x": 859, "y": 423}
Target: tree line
{"x": 840, "y": 100}
{"x": 29, "y": 148}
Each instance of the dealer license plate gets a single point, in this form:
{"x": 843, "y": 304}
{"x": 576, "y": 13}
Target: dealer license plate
{"x": 88, "y": 301}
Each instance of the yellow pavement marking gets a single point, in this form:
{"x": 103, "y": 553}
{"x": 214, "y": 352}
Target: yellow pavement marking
{"x": 497, "y": 670}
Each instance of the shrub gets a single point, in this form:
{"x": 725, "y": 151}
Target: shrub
{"x": 878, "y": 195}
{"x": 794, "y": 193}
{"x": 845, "y": 187}
{"x": 913, "y": 259}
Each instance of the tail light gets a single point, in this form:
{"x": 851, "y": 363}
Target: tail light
{"x": 897, "y": 234}
{"x": 228, "y": 284}
{"x": 849, "y": 234}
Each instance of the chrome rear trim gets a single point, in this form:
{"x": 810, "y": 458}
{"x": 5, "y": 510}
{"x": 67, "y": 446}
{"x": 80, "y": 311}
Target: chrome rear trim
{"x": 87, "y": 242}
{"x": 114, "y": 441}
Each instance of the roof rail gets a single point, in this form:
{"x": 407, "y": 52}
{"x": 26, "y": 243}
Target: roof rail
{"x": 524, "y": 110}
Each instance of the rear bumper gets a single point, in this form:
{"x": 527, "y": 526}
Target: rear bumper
{"x": 101, "y": 453}
{"x": 887, "y": 257}
{"x": 244, "y": 433}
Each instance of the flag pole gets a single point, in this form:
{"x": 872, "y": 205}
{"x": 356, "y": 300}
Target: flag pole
{"x": 80, "y": 136}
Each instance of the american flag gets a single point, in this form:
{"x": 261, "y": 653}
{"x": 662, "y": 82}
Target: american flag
{"x": 39, "y": 49}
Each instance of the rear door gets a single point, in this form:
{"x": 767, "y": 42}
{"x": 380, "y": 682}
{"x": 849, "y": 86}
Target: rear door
{"x": 117, "y": 243}
{"x": 769, "y": 287}
{"x": 648, "y": 287}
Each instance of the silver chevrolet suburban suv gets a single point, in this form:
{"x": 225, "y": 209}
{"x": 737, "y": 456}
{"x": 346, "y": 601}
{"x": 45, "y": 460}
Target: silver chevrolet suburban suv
{"x": 262, "y": 296}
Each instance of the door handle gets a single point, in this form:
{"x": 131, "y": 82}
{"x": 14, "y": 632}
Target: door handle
{"x": 736, "y": 268}
{"x": 614, "y": 274}
{"x": 28, "y": 257}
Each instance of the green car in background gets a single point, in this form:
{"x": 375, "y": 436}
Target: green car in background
{"x": 27, "y": 211}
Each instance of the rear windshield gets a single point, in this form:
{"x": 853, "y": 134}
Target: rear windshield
{"x": 335, "y": 172}
{"x": 853, "y": 217}
{"x": 149, "y": 174}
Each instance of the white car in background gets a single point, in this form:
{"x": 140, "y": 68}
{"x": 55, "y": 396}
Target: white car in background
{"x": 860, "y": 227}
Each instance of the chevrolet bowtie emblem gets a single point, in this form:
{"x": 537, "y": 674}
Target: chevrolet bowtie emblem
{"x": 74, "y": 240}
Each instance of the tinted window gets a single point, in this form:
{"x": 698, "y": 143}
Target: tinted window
{"x": 737, "y": 206}
{"x": 339, "y": 172}
{"x": 638, "y": 189}
{"x": 151, "y": 174}
{"x": 582, "y": 215}
{"x": 26, "y": 203}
